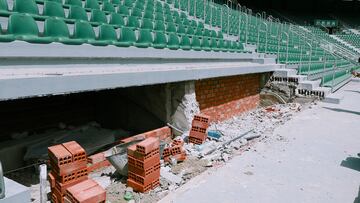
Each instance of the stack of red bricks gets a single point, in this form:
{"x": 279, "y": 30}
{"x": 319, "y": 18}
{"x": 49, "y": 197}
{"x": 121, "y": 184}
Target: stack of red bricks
{"x": 199, "y": 126}
{"x": 175, "y": 151}
{"x": 69, "y": 167}
{"x": 144, "y": 165}
{"x": 87, "y": 191}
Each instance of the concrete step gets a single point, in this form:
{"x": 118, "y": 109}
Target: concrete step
{"x": 326, "y": 90}
{"x": 285, "y": 72}
{"x": 333, "y": 98}
{"x": 292, "y": 66}
{"x": 309, "y": 85}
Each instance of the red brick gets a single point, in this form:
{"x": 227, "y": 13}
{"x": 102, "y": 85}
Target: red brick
{"x": 61, "y": 187}
{"x": 96, "y": 158}
{"x": 56, "y": 196}
{"x": 51, "y": 179}
{"x": 68, "y": 168}
{"x": 141, "y": 188}
{"x": 195, "y": 140}
{"x": 86, "y": 192}
{"x": 176, "y": 150}
{"x": 142, "y": 172}
{"x": 148, "y": 145}
{"x": 73, "y": 176}
{"x": 143, "y": 165}
{"x": 94, "y": 194}
{"x": 98, "y": 165}
{"x": 177, "y": 142}
{"x": 78, "y": 153}
{"x": 133, "y": 152}
{"x": 59, "y": 155}
{"x": 144, "y": 180}
{"x": 160, "y": 133}
{"x": 167, "y": 152}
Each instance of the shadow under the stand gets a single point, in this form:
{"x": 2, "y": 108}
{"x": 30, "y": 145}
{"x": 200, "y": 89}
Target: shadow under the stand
{"x": 352, "y": 163}
{"x": 343, "y": 110}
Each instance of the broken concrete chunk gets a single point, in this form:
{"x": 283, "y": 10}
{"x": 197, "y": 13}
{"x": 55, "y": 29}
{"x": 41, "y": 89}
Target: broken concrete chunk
{"x": 170, "y": 176}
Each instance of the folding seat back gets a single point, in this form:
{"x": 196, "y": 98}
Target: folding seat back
{"x": 98, "y": 16}
{"x": 173, "y": 42}
{"x": 92, "y": 4}
{"x": 147, "y": 24}
{"x": 108, "y": 7}
{"x": 123, "y": 10}
{"x": 74, "y": 2}
{"x": 107, "y": 32}
{"x": 171, "y": 27}
{"x": 26, "y": 6}
{"x": 145, "y": 38}
{"x": 116, "y": 19}
{"x": 83, "y": 30}
{"x": 77, "y": 13}
{"x": 133, "y": 22}
{"x": 55, "y": 27}
{"x": 22, "y": 25}
{"x": 160, "y": 40}
{"x": 159, "y": 26}
{"x": 52, "y": 8}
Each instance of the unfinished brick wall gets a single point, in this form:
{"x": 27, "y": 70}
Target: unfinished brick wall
{"x": 222, "y": 98}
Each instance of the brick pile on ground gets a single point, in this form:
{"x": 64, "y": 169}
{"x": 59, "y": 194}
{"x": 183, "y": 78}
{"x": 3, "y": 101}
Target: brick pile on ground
{"x": 144, "y": 165}
{"x": 199, "y": 126}
{"x": 68, "y": 162}
{"x": 175, "y": 151}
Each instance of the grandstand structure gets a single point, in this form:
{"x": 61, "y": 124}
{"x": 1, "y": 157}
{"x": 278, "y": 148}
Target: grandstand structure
{"x": 117, "y": 39}
{"x": 62, "y": 46}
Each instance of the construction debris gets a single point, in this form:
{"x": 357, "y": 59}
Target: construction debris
{"x": 199, "y": 126}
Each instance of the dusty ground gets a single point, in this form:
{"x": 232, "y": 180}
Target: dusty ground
{"x": 311, "y": 158}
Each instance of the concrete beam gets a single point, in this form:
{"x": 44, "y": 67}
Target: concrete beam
{"x": 17, "y": 82}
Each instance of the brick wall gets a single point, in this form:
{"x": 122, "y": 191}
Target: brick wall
{"x": 222, "y": 98}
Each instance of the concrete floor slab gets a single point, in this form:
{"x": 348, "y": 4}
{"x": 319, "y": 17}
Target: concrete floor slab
{"x": 315, "y": 162}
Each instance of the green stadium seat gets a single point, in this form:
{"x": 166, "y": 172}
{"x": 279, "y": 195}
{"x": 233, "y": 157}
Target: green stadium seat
{"x": 26, "y": 6}
{"x": 181, "y": 29}
{"x": 147, "y": 24}
{"x": 77, "y": 13}
{"x": 108, "y": 7}
{"x": 196, "y": 43}
{"x": 205, "y": 45}
{"x": 117, "y": 20}
{"x": 177, "y": 20}
{"x": 159, "y": 16}
{"x": 117, "y": 2}
{"x": 128, "y": 3}
{"x": 83, "y": 30}
{"x": 173, "y": 42}
{"x": 133, "y": 22}
{"x": 160, "y": 40}
{"x": 199, "y": 32}
{"x": 98, "y": 16}
{"x": 136, "y": 12}
{"x": 193, "y": 23}
{"x": 185, "y": 43}
{"x": 127, "y": 37}
{"x": 56, "y": 29}
{"x": 4, "y": 8}
{"x": 200, "y": 25}
{"x": 74, "y": 2}
{"x": 190, "y": 31}
{"x": 207, "y": 33}
{"x": 92, "y": 4}
{"x": 169, "y": 19}
{"x": 145, "y": 39}
{"x": 214, "y": 44}
{"x": 123, "y": 10}
{"x": 159, "y": 26}
{"x": 213, "y": 34}
{"x": 171, "y": 27}
{"x": 23, "y": 27}
{"x": 149, "y": 15}
{"x": 52, "y": 8}
{"x": 107, "y": 35}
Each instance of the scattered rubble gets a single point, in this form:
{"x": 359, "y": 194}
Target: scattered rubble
{"x": 257, "y": 125}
